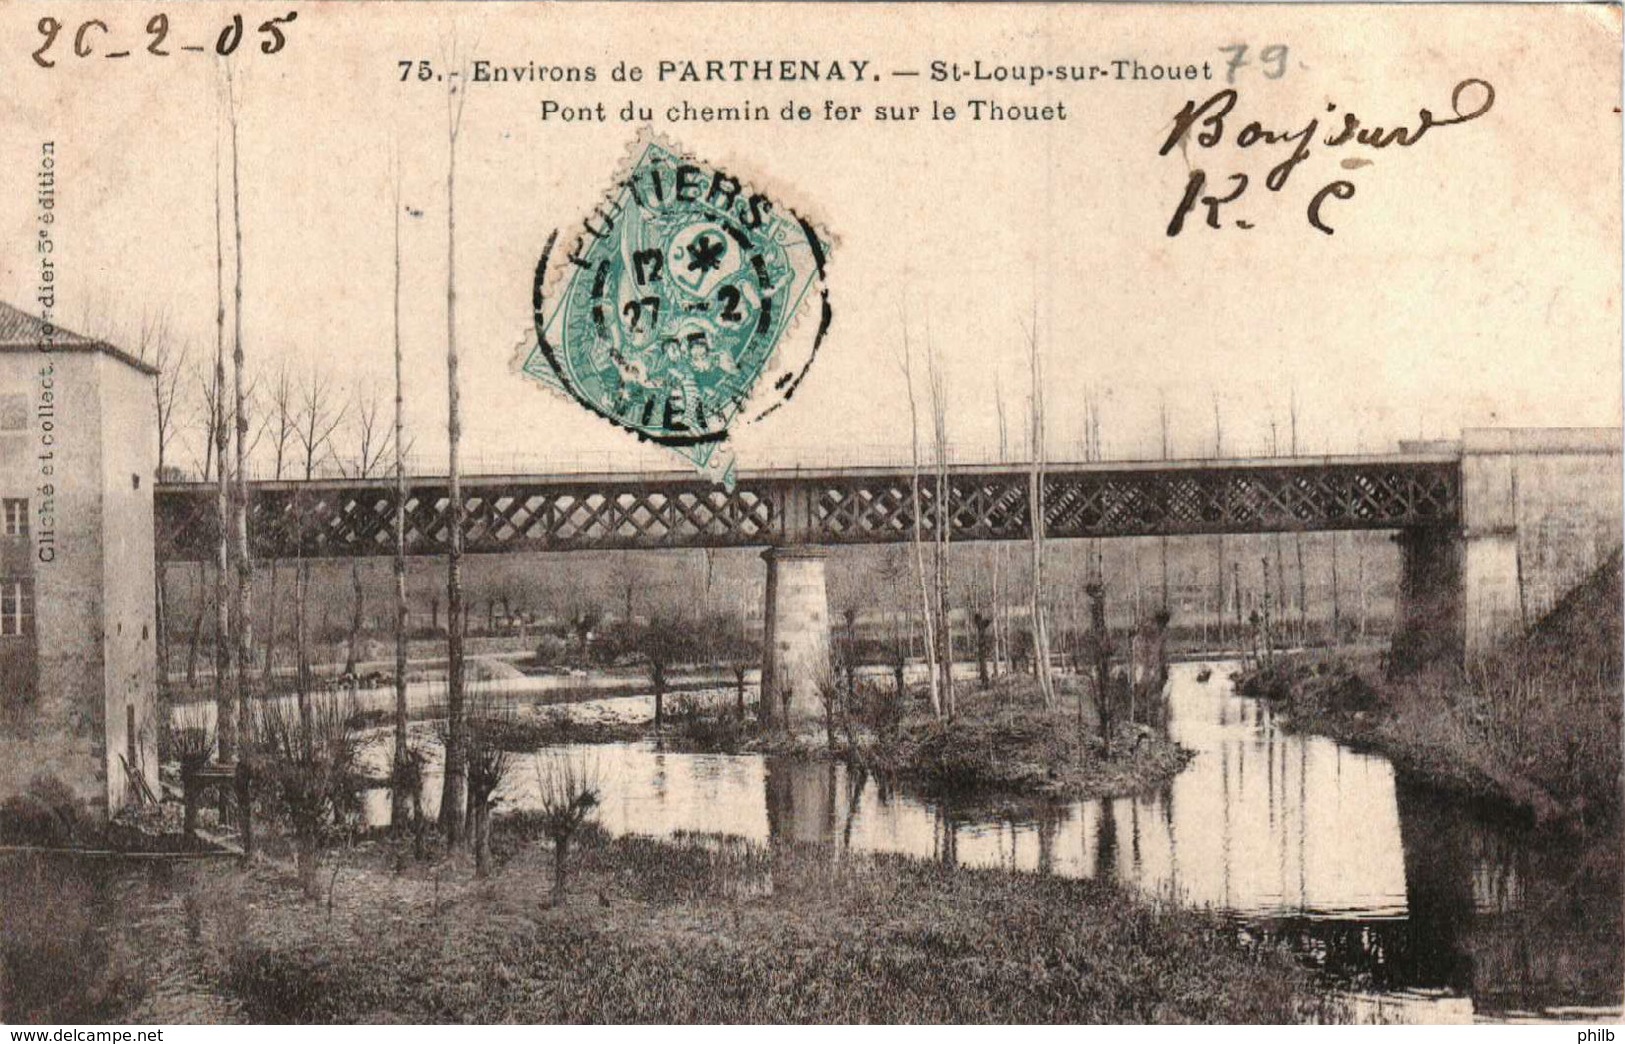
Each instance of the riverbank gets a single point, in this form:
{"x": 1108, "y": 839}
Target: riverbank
{"x": 693, "y": 929}
{"x": 1001, "y": 743}
{"x": 1534, "y": 732}
{"x": 1533, "y": 729}
{"x": 1415, "y": 725}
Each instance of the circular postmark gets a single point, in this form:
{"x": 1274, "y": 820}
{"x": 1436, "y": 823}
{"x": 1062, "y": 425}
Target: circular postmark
{"x": 674, "y": 313}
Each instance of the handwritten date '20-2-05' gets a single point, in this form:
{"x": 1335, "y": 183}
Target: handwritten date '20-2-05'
{"x": 1208, "y": 122}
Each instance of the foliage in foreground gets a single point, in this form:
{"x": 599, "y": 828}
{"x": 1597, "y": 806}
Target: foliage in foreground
{"x": 705, "y": 930}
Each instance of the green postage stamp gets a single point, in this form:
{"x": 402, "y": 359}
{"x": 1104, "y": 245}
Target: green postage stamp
{"x": 675, "y": 312}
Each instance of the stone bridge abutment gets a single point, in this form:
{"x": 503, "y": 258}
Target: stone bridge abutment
{"x": 1540, "y": 511}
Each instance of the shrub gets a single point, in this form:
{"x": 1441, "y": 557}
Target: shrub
{"x": 708, "y": 725}
{"x": 190, "y": 737}
{"x": 47, "y": 813}
{"x": 489, "y": 763}
{"x": 568, "y": 794}
{"x": 306, "y": 764}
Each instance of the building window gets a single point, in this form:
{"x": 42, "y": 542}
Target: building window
{"x": 16, "y": 517}
{"x": 16, "y": 608}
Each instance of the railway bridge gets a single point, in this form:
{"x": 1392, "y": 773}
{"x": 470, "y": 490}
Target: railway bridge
{"x": 1482, "y": 521}
{"x": 1459, "y": 510}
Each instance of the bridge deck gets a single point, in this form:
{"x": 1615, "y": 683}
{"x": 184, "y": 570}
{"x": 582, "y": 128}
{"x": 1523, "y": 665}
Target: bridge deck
{"x": 519, "y": 513}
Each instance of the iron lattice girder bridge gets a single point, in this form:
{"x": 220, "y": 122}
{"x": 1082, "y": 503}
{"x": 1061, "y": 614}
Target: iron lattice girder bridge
{"x": 342, "y": 518}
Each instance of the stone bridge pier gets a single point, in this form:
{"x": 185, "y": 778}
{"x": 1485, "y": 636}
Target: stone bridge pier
{"x": 1540, "y": 510}
{"x": 795, "y": 641}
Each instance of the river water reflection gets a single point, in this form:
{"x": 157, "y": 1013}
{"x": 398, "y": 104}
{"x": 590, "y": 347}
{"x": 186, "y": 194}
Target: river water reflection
{"x": 1421, "y": 909}
{"x": 1296, "y": 839}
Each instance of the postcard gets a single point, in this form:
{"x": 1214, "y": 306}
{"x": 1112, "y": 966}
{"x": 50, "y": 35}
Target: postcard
{"x": 811, "y": 513}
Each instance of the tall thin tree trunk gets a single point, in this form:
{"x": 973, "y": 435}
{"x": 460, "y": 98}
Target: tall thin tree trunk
{"x": 1297, "y": 539}
{"x": 1102, "y": 671}
{"x": 358, "y": 595}
{"x": 245, "y": 565}
{"x": 1303, "y": 593}
{"x": 1280, "y": 586}
{"x": 225, "y": 726}
{"x": 1218, "y": 452}
{"x": 932, "y": 681}
{"x": 270, "y": 627}
{"x": 160, "y": 624}
{"x": 1235, "y": 586}
{"x": 1001, "y": 560}
{"x": 943, "y": 531}
{"x": 1359, "y": 580}
{"x": 301, "y": 634}
{"x": 196, "y": 637}
{"x": 401, "y": 798}
{"x": 1163, "y": 541}
{"x": 1035, "y": 507}
{"x": 1517, "y": 556}
{"x": 452, "y": 790}
{"x": 1337, "y": 608}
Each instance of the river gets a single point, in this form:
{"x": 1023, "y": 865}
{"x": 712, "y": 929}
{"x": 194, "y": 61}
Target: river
{"x": 1418, "y": 905}
{"x": 1420, "y": 909}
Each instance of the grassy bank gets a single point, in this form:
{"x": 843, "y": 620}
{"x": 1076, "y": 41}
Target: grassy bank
{"x": 702, "y": 930}
{"x": 1534, "y": 729}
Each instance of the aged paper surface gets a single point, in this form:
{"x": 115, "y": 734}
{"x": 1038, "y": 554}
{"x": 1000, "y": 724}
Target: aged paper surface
{"x": 583, "y": 311}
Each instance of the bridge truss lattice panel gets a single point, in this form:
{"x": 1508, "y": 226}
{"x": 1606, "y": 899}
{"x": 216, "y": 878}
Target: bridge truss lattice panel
{"x": 357, "y": 518}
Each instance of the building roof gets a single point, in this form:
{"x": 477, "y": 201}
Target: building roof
{"x": 20, "y": 331}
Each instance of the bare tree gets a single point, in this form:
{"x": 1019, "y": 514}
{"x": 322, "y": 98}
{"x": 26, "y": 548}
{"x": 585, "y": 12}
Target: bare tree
{"x": 943, "y": 527}
{"x": 1280, "y": 558}
{"x": 206, "y": 422}
{"x": 933, "y": 682}
{"x": 201, "y": 420}
{"x": 1359, "y": 557}
{"x": 1337, "y": 607}
{"x": 625, "y": 578}
{"x": 403, "y": 759}
{"x": 321, "y": 412}
{"x": 372, "y": 442}
{"x": 1001, "y": 560}
{"x": 225, "y": 708}
{"x": 241, "y": 612}
{"x": 452, "y": 790}
{"x": 1218, "y": 452}
{"x": 285, "y": 420}
{"x": 1162, "y": 419}
{"x": 1035, "y": 502}
{"x": 1297, "y": 538}
{"x": 155, "y": 345}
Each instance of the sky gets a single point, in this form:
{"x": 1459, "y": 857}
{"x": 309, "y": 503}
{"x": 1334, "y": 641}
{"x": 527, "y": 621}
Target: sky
{"x": 1473, "y": 278}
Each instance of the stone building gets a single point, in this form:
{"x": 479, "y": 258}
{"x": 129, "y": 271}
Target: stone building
{"x": 78, "y": 457}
